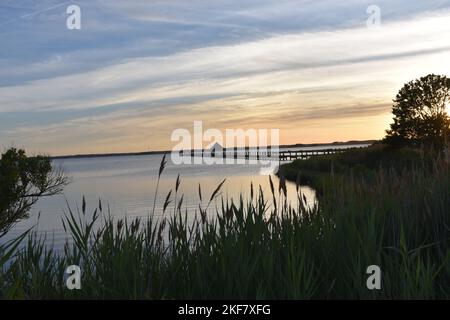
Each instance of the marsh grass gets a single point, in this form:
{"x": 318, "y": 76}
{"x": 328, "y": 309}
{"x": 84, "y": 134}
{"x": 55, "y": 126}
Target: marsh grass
{"x": 315, "y": 171}
{"x": 256, "y": 248}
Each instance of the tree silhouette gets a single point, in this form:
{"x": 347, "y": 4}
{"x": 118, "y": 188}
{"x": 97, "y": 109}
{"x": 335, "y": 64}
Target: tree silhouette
{"x": 23, "y": 180}
{"x": 420, "y": 113}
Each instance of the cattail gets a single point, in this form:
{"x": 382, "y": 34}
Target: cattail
{"x": 167, "y": 201}
{"x": 282, "y": 185}
{"x": 217, "y": 190}
{"x": 83, "y": 206}
{"x": 271, "y": 186}
{"x": 272, "y": 189}
{"x": 177, "y": 184}
{"x": 162, "y": 165}
{"x": 161, "y": 169}
{"x": 180, "y": 203}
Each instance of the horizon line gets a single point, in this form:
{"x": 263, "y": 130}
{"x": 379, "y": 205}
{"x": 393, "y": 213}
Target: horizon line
{"x": 149, "y": 152}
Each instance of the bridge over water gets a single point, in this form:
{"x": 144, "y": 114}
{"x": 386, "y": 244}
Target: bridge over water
{"x": 266, "y": 153}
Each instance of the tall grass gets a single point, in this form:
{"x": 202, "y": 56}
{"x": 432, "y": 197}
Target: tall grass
{"x": 315, "y": 170}
{"x": 258, "y": 248}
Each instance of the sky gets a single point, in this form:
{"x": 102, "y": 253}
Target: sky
{"x": 139, "y": 69}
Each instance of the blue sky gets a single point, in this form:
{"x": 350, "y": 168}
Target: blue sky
{"x": 139, "y": 69}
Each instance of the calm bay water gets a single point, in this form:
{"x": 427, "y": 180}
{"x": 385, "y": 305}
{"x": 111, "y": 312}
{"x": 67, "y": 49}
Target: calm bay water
{"x": 127, "y": 186}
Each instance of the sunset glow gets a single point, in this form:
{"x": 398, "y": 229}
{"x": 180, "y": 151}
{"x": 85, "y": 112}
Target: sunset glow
{"x": 317, "y": 81}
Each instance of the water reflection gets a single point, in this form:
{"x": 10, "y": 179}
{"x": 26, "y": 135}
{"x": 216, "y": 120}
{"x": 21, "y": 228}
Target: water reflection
{"x": 127, "y": 186}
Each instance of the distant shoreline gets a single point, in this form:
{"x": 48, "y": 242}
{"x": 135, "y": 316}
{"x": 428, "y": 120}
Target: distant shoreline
{"x": 125, "y": 154}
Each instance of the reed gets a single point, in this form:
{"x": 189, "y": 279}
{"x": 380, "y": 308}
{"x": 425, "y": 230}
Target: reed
{"x": 256, "y": 248}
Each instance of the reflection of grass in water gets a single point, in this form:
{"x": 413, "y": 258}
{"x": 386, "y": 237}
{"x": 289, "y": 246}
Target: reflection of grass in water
{"x": 260, "y": 248}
